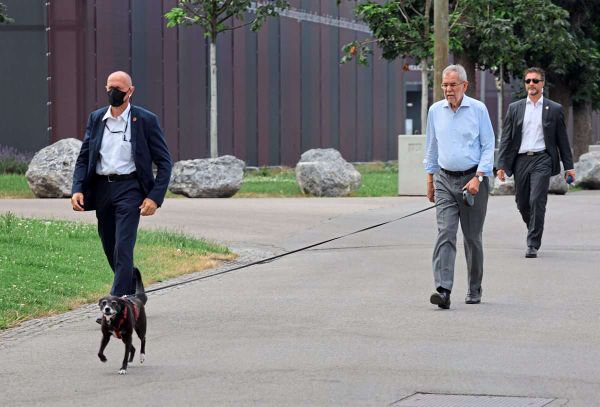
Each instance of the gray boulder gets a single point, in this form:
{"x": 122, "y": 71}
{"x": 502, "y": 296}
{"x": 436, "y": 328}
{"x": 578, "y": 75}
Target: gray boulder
{"x": 50, "y": 172}
{"x": 220, "y": 177}
{"x": 503, "y": 188}
{"x": 323, "y": 172}
{"x": 558, "y": 185}
{"x": 588, "y": 170}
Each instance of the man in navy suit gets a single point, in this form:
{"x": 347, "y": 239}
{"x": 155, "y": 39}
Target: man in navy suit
{"x": 534, "y": 141}
{"x": 113, "y": 176}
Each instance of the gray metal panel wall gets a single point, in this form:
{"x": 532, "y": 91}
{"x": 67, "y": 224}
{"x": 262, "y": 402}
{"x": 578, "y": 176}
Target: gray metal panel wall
{"x": 281, "y": 91}
{"x": 23, "y": 72}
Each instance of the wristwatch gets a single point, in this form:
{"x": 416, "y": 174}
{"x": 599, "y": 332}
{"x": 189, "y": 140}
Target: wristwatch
{"x": 480, "y": 178}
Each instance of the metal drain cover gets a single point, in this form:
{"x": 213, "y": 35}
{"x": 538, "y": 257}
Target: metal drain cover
{"x": 459, "y": 400}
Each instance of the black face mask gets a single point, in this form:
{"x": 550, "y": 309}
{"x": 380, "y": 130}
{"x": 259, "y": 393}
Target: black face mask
{"x": 116, "y": 97}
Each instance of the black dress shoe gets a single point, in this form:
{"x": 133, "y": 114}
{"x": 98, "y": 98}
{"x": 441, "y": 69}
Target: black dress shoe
{"x": 531, "y": 252}
{"x": 442, "y": 299}
{"x": 473, "y": 298}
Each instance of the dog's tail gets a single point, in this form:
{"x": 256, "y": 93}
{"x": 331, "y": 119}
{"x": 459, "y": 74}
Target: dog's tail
{"x": 140, "y": 292}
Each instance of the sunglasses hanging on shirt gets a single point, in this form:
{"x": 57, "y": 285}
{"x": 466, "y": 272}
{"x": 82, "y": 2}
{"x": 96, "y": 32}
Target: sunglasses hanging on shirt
{"x": 120, "y": 131}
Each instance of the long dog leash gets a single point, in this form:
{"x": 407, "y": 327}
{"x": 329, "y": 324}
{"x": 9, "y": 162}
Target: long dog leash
{"x": 272, "y": 258}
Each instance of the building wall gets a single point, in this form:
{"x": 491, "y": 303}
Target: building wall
{"x": 281, "y": 91}
{"x": 23, "y": 72}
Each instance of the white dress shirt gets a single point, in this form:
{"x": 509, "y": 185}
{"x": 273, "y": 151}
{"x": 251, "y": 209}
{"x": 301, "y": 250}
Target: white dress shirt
{"x": 115, "y": 152}
{"x": 533, "y": 132}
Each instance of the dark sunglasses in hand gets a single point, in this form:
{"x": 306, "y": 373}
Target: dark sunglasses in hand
{"x": 536, "y": 81}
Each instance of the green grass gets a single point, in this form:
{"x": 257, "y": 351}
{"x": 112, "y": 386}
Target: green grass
{"x": 14, "y": 186}
{"x": 276, "y": 182}
{"x": 49, "y": 266}
{"x": 378, "y": 179}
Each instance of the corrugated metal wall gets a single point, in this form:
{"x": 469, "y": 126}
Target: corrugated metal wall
{"x": 23, "y": 72}
{"x": 281, "y": 91}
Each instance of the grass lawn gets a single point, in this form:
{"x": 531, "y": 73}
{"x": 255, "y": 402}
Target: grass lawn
{"x": 14, "y": 186}
{"x": 378, "y": 179}
{"x": 48, "y": 267}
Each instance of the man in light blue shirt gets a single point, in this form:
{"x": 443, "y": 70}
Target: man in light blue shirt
{"x": 460, "y": 152}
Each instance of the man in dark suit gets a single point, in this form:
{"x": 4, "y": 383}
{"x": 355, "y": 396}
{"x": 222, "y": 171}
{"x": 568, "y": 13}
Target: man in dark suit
{"x": 534, "y": 141}
{"x": 113, "y": 176}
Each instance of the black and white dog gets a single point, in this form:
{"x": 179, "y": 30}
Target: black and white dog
{"x": 120, "y": 317}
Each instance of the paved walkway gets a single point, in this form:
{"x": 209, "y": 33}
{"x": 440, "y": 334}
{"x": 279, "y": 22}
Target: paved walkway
{"x": 345, "y": 324}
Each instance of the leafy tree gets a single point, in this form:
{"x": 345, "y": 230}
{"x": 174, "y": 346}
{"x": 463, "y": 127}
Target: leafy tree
{"x": 215, "y": 17}
{"x": 504, "y": 36}
{"x": 3, "y": 16}
{"x": 400, "y": 29}
{"x": 579, "y": 85}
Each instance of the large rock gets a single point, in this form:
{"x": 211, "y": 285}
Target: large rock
{"x": 323, "y": 172}
{"x": 220, "y": 177}
{"x": 588, "y": 170}
{"x": 558, "y": 185}
{"x": 50, "y": 172}
{"x": 503, "y": 188}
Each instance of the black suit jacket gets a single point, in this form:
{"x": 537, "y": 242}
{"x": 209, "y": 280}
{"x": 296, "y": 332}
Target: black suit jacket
{"x": 555, "y": 136}
{"x": 147, "y": 144}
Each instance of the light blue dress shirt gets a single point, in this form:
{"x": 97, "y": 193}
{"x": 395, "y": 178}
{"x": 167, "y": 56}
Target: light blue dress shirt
{"x": 458, "y": 141}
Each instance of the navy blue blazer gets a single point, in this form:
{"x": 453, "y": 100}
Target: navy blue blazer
{"x": 555, "y": 136}
{"x": 148, "y": 146}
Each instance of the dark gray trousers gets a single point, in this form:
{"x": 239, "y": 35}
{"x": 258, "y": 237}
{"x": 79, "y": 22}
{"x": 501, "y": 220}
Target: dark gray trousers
{"x": 450, "y": 211}
{"x": 118, "y": 214}
{"x": 532, "y": 179}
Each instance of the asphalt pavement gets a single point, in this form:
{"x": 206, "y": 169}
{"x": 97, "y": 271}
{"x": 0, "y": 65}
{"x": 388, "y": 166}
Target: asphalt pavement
{"x": 347, "y": 323}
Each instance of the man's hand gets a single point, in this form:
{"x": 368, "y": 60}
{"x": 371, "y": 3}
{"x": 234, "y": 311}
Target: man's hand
{"x": 501, "y": 175}
{"x": 430, "y": 191}
{"x": 148, "y": 207}
{"x": 570, "y": 173}
{"x": 77, "y": 201}
{"x": 472, "y": 186}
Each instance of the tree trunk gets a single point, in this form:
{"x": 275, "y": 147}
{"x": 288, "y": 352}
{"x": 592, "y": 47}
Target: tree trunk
{"x": 500, "y": 88}
{"x": 469, "y": 66}
{"x": 560, "y": 93}
{"x": 482, "y": 86}
{"x": 424, "y": 95}
{"x": 582, "y": 128}
{"x": 214, "y": 150}
{"x": 440, "y": 52}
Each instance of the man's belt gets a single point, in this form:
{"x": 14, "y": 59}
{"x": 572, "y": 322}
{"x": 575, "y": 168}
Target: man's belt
{"x": 460, "y": 173}
{"x": 530, "y": 153}
{"x": 117, "y": 177}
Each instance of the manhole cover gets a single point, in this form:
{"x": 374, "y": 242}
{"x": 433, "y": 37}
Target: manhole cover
{"x": 459, "y": 400}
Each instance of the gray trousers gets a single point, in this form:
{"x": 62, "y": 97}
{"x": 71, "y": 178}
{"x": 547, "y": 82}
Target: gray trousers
{"x": 532, "y": 180}
{"x": 450, "y": 211}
